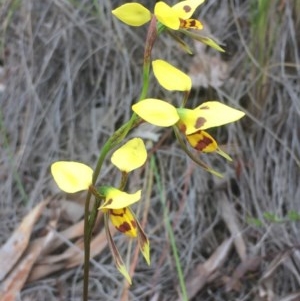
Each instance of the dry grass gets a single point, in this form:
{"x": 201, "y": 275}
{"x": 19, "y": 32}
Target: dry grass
{"x": 71, "y": 72}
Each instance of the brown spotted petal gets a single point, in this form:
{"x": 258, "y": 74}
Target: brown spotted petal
{"x": 207, "y": 115}
{"x": 202, "y": 141}
{"x": 124, "y": 221}
{"x": 216, "y": 114}
{"x": 189, "y": 122}
{"x": 191, "y": 23}
{"x": 185, "y": 9}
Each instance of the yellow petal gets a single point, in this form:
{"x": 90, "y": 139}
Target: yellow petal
{"x": 215, "y": 113}
{"x": 124, "y": 221}
{"x": 72, "y": 176}
{"x": 133, "y": 14}
{"x": 156, "y": 111}
{"x": 207, "y": 115}
{"x": 170, "y": 77}
{"x": 166, "y": 15}
{"x": 185, "y": 9}
{"x": 117, "y": 199}
{"x": 130, "y": 156}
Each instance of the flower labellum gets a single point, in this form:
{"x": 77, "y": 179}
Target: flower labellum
{"x": 124, "y": 221}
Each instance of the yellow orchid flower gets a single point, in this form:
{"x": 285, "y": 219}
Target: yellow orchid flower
{"x": 130, "y": 156}
{"x": 125, "y": 221}
{"x": 170, "y": 77}
{"x": 207, "y": 115}
{"x": 116, "y": 208}
{"x": 178, "y": 15}
{"x": 75, "y": 176}
{"x": 190, "y": 122}
{"x": 175, "y": 17}
{"x": 72, "y": 176}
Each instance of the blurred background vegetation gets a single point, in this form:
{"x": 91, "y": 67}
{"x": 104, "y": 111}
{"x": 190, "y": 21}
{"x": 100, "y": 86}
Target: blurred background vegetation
{"x": 69, "y": 73}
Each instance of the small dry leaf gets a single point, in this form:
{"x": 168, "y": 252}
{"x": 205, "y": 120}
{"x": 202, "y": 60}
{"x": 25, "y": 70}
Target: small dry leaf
{"x": 266, "y": 291}
{"x": 15, "y": 246}
{"x": 72, "y": 257}
{"x": 70, "y": 233}
{"x": 250, "y": 264}
{"x": 266, "y": 283}
{"x": 276, "y": 262}
{"x": 206, "y": 272}
{"x": 11, "y": 287}
{"x": 229, "y": 216}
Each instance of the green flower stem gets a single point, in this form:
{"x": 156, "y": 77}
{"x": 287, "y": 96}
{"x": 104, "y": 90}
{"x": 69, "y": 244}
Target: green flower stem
{"x": 90, "y": 217}
{"x": 169, "y": 230}
{"x": 113, "y": 141}
{"x": 95, "y": 192}
{"x": 87, "y": 250}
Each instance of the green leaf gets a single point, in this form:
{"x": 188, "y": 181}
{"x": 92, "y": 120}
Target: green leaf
{"x": 293, "y": 216}
{"x": 271, "y": 217}
{"x": 254, "y": 221}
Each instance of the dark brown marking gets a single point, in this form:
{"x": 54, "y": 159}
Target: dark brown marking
{"x": 203, "y": 143}
{"x": 192, "y": 23}
{"x": 125, "y": 227}
{"x": 182, "y": 127}
{"x": 200, "y": 122}
{"x": 109, "y": 202}
{"x": 204, "y": 108}
{"x": 111, "y": 211}
{"x": 187, "y": 8}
